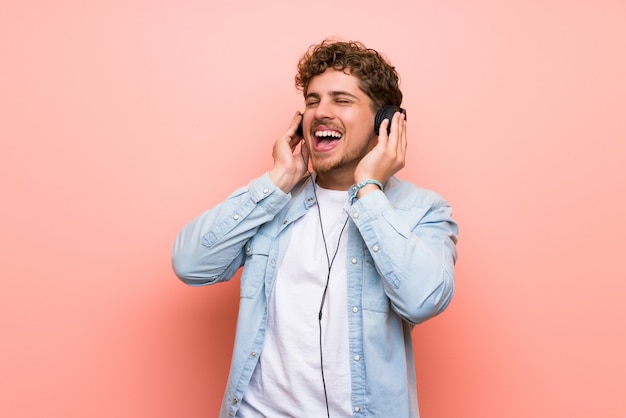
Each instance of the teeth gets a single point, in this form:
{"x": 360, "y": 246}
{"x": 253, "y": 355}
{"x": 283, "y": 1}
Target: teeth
{"x": 327, "y": 134}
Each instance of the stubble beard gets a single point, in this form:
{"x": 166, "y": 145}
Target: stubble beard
{"x": 324, "y": 164}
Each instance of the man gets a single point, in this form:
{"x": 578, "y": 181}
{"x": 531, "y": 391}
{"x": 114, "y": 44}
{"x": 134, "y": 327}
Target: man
{"x": 339, "y": 264}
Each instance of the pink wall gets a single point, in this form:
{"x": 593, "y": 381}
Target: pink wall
{"x": 122, "y": 120}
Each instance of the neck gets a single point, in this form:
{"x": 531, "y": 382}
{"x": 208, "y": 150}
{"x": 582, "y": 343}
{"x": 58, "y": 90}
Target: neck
{"x": 336, "y": 179}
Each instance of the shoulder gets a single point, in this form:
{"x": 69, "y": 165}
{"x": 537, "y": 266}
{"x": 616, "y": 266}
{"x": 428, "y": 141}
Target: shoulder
{"x": 406, "y": 194}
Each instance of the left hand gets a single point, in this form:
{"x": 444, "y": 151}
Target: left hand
{"x": 387, "y": 157}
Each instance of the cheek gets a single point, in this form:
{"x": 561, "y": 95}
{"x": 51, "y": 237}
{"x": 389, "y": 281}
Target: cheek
{"x": 362, "y": 133}
{"x": 362, "y": 124}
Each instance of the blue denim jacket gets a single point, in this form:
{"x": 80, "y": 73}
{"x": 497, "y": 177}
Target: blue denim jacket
{"x": 400, "y": 272}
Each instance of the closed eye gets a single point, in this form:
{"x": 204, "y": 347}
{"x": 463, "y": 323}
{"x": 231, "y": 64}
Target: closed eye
{"x": 311, "y": 100}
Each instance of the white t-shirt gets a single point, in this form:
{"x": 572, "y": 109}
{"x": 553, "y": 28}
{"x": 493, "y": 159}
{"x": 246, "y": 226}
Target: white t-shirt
{"x": 287, "y": 381}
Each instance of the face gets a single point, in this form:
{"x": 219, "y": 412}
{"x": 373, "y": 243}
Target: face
{"x": 338, "y": 127}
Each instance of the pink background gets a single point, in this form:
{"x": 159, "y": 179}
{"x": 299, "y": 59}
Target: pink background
{"x": 122, "y": 120}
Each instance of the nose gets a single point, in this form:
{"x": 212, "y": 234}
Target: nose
{"x": 324, "y": 110}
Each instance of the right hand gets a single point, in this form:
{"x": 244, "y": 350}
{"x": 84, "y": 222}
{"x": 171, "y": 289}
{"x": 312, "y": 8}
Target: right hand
{"x": 290, "y": 164}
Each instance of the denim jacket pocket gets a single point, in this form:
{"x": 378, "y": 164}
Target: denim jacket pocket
{"x": 374, "y": 297}
{"x": 257, "y": 255}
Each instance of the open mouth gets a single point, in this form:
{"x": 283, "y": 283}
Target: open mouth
{"x": 325, "y": 139}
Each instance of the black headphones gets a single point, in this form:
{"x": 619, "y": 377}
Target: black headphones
{"x": 385, "y": 112}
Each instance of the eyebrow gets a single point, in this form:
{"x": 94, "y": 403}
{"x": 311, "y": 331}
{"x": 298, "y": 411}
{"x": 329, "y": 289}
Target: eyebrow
{"x": 334, "y": 93}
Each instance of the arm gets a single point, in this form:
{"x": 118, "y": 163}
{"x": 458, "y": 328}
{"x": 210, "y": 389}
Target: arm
{"x": 210, "y": 248}
{"x": 413, "y": 248}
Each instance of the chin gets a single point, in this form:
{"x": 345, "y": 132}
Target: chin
{"x": 323, "y": 168}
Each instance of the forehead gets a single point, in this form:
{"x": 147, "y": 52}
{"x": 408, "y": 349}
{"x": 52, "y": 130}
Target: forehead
{"x": 332, "y": 81}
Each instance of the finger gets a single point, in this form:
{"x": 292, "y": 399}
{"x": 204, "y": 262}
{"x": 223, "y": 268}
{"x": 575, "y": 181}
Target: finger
{"x": 291, "y": 132}
{"x": 398, "y": 129}
{"x": 304, "y": 151}
{"x": 293, "y": 125}
{"x": 395, "y": 131}
{"x": 296, "y": 119}
{"x": 382, "y": 131}
{"x": 403, "y": 136}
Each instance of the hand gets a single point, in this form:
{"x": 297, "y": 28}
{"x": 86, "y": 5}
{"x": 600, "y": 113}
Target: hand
{"x": 290, "y": 166}
{"x": 387, "y": 157}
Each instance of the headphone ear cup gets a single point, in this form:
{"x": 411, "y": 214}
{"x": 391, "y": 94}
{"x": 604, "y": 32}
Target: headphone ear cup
{"x": 386, "y": 112}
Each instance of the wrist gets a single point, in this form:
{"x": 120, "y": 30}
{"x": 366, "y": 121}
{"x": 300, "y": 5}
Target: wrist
{"x": 281, "y": 179}
{"x": 364, "y": 187}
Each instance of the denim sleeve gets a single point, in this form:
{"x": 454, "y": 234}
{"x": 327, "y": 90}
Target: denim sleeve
{"x": 414, "y": 251}
{"x": 209, "y": 249}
